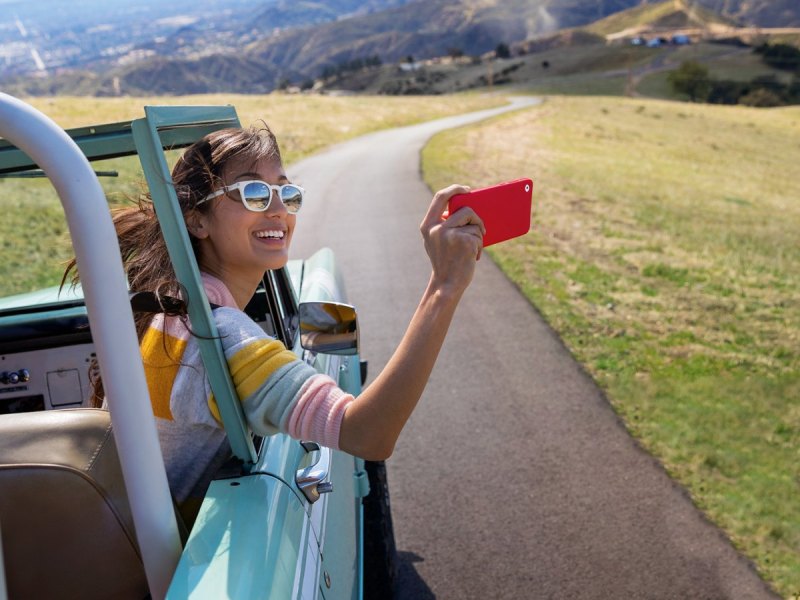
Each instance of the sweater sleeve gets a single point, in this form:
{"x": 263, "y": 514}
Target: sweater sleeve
{"x": 278, "y": 391}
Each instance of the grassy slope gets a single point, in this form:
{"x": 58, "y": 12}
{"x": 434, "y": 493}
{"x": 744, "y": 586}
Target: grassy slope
{"x": 664, "y": 251}
{"x": 603, "y": 70}
{"x": 722, "y": 62}
{"x": 33, "y": 232}
{"x": 635, "y": 17}
{"x": 668, "y": 13}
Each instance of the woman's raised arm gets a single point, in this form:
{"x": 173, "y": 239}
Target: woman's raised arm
{"x": 374, "y": 420}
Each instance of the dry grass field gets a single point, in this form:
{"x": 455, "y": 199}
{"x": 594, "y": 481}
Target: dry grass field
{"x": 665, "y": 252}
{"x": 303, "y": 124}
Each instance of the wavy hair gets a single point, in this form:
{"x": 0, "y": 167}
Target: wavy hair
{"x": 144, "y": 253}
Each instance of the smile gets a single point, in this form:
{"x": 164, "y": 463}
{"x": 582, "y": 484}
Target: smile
{"x": 273, "y": 233}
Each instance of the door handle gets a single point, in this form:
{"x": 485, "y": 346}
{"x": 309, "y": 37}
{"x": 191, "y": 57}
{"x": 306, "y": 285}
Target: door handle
{"x": 311, "y": 480}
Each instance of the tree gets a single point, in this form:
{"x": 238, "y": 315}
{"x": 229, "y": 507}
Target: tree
{"x": 726, "y": 91}
{"x": 692, "y": 79}
{"x": 502, "y": 51}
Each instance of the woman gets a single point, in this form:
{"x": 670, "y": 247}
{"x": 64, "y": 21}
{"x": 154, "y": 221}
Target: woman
{"x": 241, "y": 210}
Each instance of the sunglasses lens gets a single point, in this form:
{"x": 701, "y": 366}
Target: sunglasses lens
{"x": 292, "y": 197}
{"x": 256, "y": 196}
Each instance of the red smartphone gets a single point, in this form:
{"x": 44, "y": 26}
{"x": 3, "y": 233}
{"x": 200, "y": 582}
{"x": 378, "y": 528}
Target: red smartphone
{"x": 505, "y": 209}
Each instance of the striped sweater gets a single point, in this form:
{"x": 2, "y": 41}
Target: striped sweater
{"x": 278, "y": 392}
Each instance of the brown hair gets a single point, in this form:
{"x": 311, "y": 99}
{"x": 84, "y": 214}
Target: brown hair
{"x": 144, "y": 253}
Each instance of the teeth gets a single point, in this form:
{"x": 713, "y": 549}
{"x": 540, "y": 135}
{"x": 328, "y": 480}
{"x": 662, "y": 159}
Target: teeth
{"x": 270, "y": 234}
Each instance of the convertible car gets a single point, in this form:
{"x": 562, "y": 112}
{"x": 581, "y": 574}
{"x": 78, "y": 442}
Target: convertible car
{"x": 85, "y": 510}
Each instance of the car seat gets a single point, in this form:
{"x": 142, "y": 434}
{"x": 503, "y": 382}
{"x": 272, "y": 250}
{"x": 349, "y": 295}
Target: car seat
{"x": 65, "y": 523}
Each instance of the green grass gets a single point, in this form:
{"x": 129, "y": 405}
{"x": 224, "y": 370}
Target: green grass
{"x": 743, "y": 67}
{"x": 722, "y": 61}
{"x": 592, "y": 58}
{"x": 35, "y": 240}
{"x": 664, "y": 251}
{"x": 656, "y": 85}
{"x": 33, "y": 230}
{"x": 582, "y": 85}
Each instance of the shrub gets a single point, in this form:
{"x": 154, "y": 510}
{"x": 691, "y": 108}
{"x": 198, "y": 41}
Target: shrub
{"x": 692, "y": 79}
{"x": 780, "y": 56}
{"x": 502, "y": 51}
{"x": 762, "y": 98}
{"x": 793, "y": 90}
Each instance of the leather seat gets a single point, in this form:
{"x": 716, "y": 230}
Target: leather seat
{"x": 65, "y": 524}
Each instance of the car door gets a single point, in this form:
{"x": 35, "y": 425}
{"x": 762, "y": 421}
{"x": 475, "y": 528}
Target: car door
{"x": 335, "y": 517}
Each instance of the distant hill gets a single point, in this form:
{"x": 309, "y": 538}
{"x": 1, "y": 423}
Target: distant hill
{"x": 425, "y": 29}
{"x": 667, "y": 14}
{"x": 274, "y": 51}
{"x": 761, "y": 13}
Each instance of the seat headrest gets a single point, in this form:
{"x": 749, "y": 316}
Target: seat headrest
{"x": 66, "y": 527}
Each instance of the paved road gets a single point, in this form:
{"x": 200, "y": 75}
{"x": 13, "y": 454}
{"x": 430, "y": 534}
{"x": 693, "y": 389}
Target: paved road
{"x": 514, "y": 477}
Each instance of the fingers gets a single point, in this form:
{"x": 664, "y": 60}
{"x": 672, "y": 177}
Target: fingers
{"x": 439, "y": 204}
{"x": 465, "y": 217}
{"x": 453, "y": 241}
{"x": 475, "y": 235}
{"x": 471, "y": 229}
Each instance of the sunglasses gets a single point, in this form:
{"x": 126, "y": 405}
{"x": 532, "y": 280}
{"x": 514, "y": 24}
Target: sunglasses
{"x": 256, "y": 195}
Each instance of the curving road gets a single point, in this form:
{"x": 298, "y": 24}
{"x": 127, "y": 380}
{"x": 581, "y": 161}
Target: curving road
{"x": 514, "y": 477}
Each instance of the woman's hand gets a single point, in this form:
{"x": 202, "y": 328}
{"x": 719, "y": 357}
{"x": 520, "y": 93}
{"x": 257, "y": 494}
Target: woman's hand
{"x": 454, "y": 243}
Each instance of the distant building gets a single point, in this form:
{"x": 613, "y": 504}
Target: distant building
{"x": 681, "y": 40}
{"x": 410, "y": 66}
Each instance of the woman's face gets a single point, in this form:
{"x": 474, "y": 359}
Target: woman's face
{"x": 236, "y": 242}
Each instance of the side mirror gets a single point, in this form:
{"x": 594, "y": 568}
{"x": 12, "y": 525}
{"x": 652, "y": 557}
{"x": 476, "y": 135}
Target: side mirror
{"x": 328, "y": 327}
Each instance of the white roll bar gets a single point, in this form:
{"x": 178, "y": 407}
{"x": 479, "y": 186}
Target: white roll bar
{"x": 3, "y": 588}
{"x": 106, "y": 293}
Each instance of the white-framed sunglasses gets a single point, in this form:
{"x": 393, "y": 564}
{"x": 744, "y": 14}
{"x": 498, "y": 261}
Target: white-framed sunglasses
{"x": 256, "y": 195}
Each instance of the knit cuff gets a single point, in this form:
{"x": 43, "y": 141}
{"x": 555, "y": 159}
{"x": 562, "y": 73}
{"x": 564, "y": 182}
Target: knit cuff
{"x": 318, "y": 414}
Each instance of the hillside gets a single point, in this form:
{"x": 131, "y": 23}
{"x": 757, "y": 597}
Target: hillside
{"x": 428, "y": 28}
{"x": 303, "y": 13}
{"x": 760, "y": 13}
{"x": 342, "y": 32}
{"x": 596, "y": 59}
{"x": 668, "y": 14}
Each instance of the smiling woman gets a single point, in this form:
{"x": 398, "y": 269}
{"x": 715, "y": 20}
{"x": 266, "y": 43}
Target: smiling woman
{"x": 240, "y": 210}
